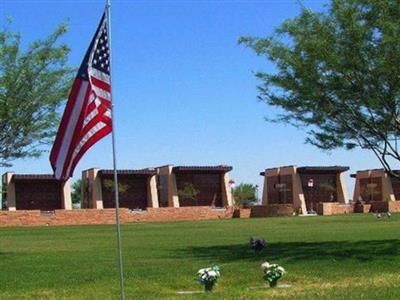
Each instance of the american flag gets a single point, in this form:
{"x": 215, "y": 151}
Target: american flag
{"x": 87, "y": 115}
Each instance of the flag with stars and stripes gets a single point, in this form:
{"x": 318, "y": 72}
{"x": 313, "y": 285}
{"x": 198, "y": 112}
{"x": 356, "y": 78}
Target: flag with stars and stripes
{"x": 87, "y": 115}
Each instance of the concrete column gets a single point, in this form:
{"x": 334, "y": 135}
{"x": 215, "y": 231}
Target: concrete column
{"x": 227, "y": 199}
{"x": 357, "y": 192}
{"x": 342, "y": 195}
{"x": 299, "y": 201}
{"x": 66, "y": 195}
{"x": 9, "y": 185}
{"x": 94, "y": 193}
{"x": 387, "y": 188}
{"x": 152, "y": 195}
{"x": 264, "y": 199}
{"x": 380, "y": 175}
{"x": 268, "y": 173}
{"x": 357, "y": 189}
{"x": 84, "y": 189}
{"x": 172, "y": 191}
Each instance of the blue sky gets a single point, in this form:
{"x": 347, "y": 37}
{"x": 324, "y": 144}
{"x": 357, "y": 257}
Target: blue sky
{"x": 184, "y": 90}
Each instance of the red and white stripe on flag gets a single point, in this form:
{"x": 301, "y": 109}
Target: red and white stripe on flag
{"x": 87, "y": 115}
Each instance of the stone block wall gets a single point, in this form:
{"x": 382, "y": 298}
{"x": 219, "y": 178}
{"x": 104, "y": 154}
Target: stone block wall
{"x": 243, "y": 213}
{"x": 362, "y": 208}
{"x": 271, "y": 210}
{"x": 107, "y": 216}
{"x": 385, "y": 206}
{"x": 333, "y": 208}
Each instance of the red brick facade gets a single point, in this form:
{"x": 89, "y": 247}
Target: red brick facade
{"x": 385, "y": 206}
{"x": 333, "y": 208}
{"x": 107, "y": 216}
{"x": 243, "y": 213}
{"x": 362, "y": 208}
{"x": 271, "y": 210}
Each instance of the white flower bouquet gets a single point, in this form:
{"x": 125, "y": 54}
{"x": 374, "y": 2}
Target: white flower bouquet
{"x": 208, "y": 277}
{"x": 272, "y": 273}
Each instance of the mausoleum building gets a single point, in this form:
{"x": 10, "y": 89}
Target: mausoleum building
{"x": 211, "y": 184}
{"x": 292, "y": 189}
{"x": 137, "y": 189}
{"x": 35, "y": 192}
{"x": 376, "y": 185}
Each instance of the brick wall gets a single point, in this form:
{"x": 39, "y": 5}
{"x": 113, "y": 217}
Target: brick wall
{"x": 333, "y": 208}
{"x": 385, "y": 206}
{"x": 242, "y": 213}
{"x": 394, "y": 206}
{"x": 362, "y": 208}
{"x": 107, "y": 216}
{"x": 271, "y": 210}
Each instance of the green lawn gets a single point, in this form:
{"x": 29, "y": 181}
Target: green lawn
{"x": 340, "y": 257}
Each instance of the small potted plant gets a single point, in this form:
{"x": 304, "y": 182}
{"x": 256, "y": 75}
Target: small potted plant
{"x": 272, "y": 273}
{"x": 208, "y": 277}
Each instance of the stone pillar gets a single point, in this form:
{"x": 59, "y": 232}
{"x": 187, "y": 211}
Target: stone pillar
{"x": 387, "y": 188}
{"x": 299, "y": 201}
{"x": 297, "y": 188}
{"x": 152, "y": 195}
{"x": 357, "y": 191}
{"x": 342, "y": 195}
{"x": 227, "y": 199}
{"x": 268, "y": 173}
{"x": 9, "y": 186}
{"x": 66, "y": 202}
{"x": 264, "y": 198}
{"x": 93, "y": 188}
{"x": 172, "y": 191}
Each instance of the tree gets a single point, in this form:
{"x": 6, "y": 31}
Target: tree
{"x": 76, "y": 191}
{"x": 110, "y": 185}
{"x": 338, "y": 75}
{"x": 188, "y": 192}
{"x": 244, "y": 192}
{"x": 33, "y": 84}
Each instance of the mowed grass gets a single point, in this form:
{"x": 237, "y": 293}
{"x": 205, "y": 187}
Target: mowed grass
{"x": 338, "y": 257}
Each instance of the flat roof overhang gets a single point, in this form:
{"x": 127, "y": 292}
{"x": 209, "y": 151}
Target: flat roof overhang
{"x": 202, "y": 169}
{"x": 317, "y": 170}
{"x": 32, "y": 177}
{"x": 322, "y": 170}
{"x": 141, "y": 172}
{"x": 371, "y": 170}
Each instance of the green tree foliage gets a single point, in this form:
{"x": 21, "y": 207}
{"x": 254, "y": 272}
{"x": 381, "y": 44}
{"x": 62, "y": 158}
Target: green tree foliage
{"x": 110, "y": 185}
{"x": 338, "y": 75}
{"x": 76, "y": 191}
{"x": 33, "y": 83}
{"x": 244, "y": 192}
{"x": 188, "y": 191}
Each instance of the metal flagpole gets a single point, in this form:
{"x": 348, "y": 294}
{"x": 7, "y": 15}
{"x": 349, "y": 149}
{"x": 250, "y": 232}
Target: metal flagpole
{"x": 120, "y": 262}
